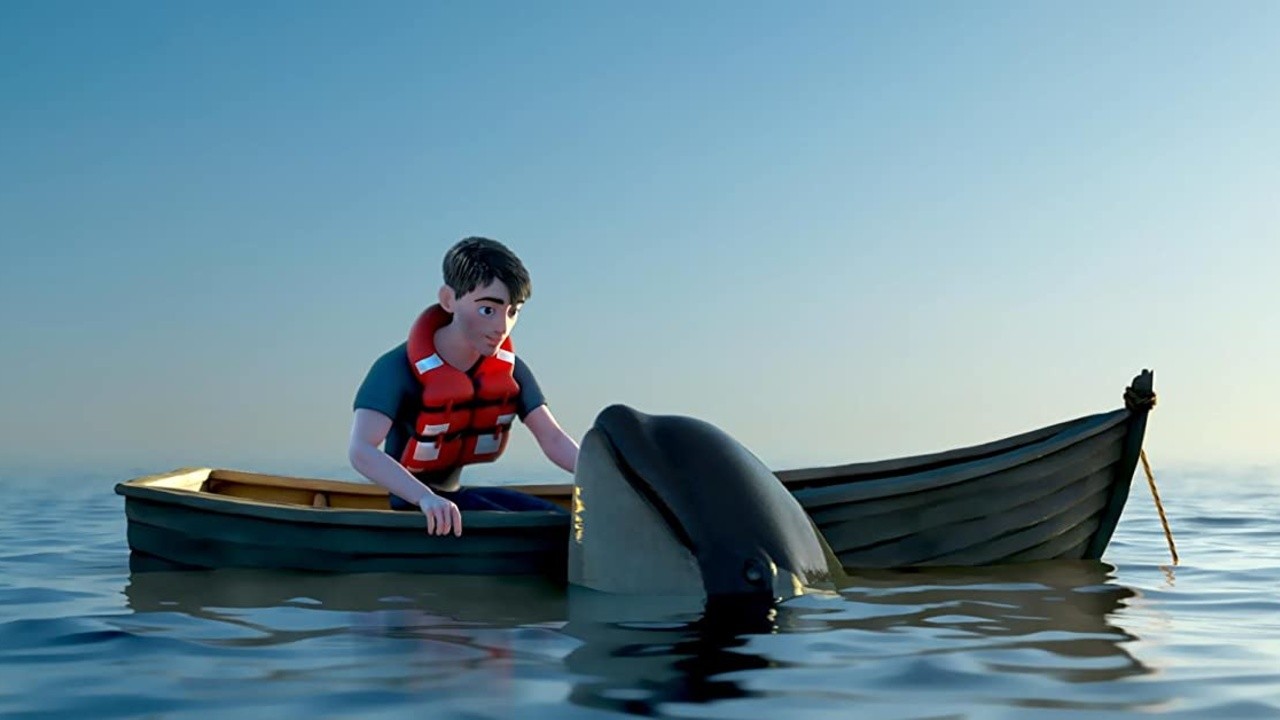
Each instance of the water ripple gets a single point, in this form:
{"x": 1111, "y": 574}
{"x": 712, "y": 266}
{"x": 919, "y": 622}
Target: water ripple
{"x": 82, "y": 636}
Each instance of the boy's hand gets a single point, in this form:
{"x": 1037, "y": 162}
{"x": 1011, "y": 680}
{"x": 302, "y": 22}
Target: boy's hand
{"x": 442, "y": 515}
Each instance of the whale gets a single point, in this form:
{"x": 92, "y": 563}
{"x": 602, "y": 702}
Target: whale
{"x": 672, "y": 505}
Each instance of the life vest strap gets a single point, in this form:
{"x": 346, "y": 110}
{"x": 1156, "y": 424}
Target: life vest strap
{"x": 464, "y": 405}
{"x": 469, "y": 432}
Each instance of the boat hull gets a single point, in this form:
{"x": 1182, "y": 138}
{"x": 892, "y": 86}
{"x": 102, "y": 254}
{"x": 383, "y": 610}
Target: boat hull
{"x": 1040, "y": 496}
{"x": 192, "y": 526}
{"x": 1049, "y": 494}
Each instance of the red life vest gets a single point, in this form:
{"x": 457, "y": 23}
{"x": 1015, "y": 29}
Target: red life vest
{"x": 465, "y": 418}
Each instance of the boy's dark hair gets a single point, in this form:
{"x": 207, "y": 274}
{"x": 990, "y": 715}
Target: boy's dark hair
{"x": 477, "y": 261}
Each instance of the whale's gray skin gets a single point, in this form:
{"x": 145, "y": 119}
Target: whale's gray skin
{"x": 672, "y": 505}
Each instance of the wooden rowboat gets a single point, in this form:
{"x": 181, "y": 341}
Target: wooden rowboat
{"x": 1052, "y": 493}
{"x": 211, "y": 518}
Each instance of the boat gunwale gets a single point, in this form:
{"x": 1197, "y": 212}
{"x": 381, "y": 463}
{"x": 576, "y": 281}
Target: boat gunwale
{"x": 931, "y": 478}
{"x": 804, "y": 478}
{"x": 144, "y": 489}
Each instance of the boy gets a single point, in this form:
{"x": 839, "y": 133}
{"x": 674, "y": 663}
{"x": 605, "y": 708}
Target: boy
{"x": 447, "y": 397}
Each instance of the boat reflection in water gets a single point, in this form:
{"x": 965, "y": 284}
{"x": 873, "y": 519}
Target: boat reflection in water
{"x": 1038, "y": 633}
{"x": 887, "y": 633}
{"x": 1063, "y": 608}
{"x": 398, "y": 600}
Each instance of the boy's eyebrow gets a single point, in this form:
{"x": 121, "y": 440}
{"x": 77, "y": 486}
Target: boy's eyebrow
{"x": 492, "y": 299}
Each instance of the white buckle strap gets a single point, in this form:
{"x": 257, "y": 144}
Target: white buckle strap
{"x": 487, "y": 444}
{"x": 425, "y": 452}
{"x": 427, "y": 364}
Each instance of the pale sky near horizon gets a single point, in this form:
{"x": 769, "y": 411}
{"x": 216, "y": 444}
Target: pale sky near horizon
{"x": 840, "y": 231}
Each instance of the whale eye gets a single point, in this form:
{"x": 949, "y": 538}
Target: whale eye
{"x": 753, "y": 571}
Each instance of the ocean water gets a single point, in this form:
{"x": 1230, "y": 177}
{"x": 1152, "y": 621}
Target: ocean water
{"x": 81, "y": 636}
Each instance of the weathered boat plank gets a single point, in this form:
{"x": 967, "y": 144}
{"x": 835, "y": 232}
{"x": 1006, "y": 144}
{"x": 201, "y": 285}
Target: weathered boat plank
{"x": 982, "y": 494}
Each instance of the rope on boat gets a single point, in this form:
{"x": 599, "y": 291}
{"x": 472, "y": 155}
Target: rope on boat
{"x": 1151, "y": 482}
{"x": 1140, "y": 397}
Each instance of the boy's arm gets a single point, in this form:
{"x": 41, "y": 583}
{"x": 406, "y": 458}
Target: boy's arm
{"x": 368, "y": 430}
{"x": 554, "y": 441}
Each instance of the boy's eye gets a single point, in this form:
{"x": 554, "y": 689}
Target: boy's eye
{"x": 485, "y": 310}
{"x": 512, "y": 312}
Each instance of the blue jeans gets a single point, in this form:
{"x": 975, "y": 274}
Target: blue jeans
{"x": 487, "y": 498}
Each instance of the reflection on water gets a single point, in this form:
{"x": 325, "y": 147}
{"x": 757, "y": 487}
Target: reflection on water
{"x": 635, "y": 658}
{"x": 1062, "y": 608}
{"x": 973, "y": 631}
{"x": 1053, "y": 620}
{"x": 82, "y": 636}
{"x": 454, "y": 598}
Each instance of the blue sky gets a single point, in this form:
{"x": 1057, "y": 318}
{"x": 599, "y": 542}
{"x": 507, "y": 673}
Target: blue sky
{"x": 840, "y": 231}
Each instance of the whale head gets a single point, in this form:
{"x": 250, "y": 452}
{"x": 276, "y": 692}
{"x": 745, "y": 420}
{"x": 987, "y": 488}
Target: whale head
{"x": 667, "y": 504}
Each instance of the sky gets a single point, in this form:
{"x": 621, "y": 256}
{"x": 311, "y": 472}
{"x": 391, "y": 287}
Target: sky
{"x": 839, "y": 231}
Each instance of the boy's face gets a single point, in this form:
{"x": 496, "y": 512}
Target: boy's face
{"x": 485, "y": 315}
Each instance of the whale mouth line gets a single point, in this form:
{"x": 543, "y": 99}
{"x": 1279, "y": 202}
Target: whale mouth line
{"x": 646, "y": 490}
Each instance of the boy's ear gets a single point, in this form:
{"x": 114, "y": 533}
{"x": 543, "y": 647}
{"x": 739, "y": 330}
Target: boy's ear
{"x": 446, "y": 298}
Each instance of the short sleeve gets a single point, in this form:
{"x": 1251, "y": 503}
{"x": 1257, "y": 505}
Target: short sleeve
{"x": 383, "y": 388}
{"x": 531, "y": 397}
